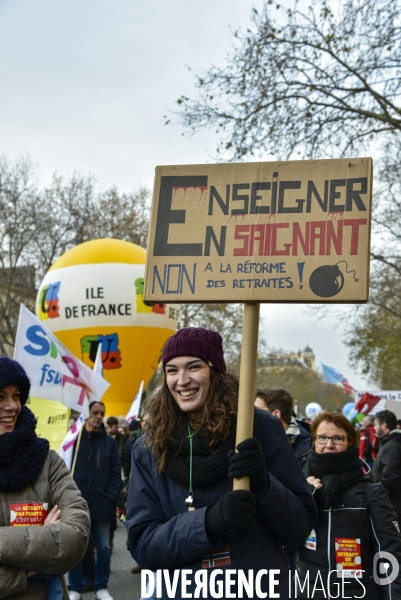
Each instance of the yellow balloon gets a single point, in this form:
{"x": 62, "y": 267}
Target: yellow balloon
{"x": 93, "y": 295}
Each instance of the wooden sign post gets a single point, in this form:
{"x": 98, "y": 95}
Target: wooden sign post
{"x": 247, "y": 376}
{"x": 291, "y": 231}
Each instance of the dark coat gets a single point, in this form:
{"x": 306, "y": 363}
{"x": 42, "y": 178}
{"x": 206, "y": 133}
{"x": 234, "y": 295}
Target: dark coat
{"x": 128, "y": 451}
{"x": 98, "y": 473}
{"x": 387, "y": 468}
{"x": 352, "y": 517}
{"x": 163, "y": 534}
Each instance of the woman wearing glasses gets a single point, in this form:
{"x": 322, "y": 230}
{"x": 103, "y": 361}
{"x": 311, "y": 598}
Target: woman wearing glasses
{"x": 356, "y": 520}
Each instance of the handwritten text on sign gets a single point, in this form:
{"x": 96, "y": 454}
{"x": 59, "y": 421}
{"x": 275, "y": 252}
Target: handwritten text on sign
{"x": 294, "y": 231}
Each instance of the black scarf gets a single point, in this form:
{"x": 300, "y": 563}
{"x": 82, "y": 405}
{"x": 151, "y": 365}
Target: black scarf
{"x": 22, "y": 453}
{"x": 337, "y": 472}
{"x": 207, "y": 466}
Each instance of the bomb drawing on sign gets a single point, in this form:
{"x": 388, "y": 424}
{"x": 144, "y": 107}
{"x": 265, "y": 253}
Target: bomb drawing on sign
{"x": 328, "y": 280}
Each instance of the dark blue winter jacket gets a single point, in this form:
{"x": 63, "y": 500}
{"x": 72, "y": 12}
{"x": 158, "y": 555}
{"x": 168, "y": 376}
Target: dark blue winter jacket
{"x": 98, "y": 473}
{"x": 163, "y": 534}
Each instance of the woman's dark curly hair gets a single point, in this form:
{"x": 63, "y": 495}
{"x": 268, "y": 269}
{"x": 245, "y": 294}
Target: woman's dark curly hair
{"x": 216, "y": 414}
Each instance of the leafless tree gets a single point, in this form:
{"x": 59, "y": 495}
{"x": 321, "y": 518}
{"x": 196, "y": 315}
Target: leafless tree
{"x": 39, "y": 224}
{"x": 321, "y": 81}
{"x": 374, "y": 336}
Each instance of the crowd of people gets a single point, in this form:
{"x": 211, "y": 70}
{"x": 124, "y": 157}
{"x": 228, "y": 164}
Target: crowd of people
{"x": 317, "y": 512}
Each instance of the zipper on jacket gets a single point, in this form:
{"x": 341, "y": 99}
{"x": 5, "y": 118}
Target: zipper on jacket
{"x": 328, "y": 554}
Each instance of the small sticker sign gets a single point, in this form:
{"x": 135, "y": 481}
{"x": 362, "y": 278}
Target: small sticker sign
{"x": 348, "y": 556}
{"x": 217, "y": 558}
{"x": 311, "y": 540}
{"x": 28, "y": 513}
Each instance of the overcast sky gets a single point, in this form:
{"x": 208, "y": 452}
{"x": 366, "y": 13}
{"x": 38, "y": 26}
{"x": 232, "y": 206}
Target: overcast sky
{"x": 84, "y": 87}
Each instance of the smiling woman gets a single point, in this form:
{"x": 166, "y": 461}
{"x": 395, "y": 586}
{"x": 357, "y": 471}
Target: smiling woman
{"x": 181, "y": 510}
{"x": 10, "y": 407}
{"x": 188, "y": 380}
{"x": 44, "y": 522}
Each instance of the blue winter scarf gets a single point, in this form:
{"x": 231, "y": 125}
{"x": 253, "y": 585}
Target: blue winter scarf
{"x": 22, "y": 453}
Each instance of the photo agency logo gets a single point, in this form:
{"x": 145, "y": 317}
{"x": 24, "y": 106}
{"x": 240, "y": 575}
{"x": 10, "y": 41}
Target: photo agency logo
{"x": 385, "y": 568}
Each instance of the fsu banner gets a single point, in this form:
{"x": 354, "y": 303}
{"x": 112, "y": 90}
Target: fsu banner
{"x": 55, "y": 373}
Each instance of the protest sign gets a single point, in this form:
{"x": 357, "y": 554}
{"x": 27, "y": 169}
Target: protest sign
{"x": 291, "y": 231}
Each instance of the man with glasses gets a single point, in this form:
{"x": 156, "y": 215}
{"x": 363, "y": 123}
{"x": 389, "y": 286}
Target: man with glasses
{"x": 98, "y": 477}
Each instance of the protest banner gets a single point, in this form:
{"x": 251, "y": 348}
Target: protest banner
{"x": 389, "y": 399}
{"x": 55, "y": 373}
{"x": 51, "y": 420}
{"x": 66, "y": 449}
{"x": 135, "y": 407}
{"x": 291, "y": 231}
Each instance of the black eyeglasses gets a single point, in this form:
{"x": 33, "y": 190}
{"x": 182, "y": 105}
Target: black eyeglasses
{"x": 336, "y": 439}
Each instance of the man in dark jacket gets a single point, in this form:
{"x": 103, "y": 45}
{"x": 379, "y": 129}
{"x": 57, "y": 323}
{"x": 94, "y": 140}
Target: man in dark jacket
{"x": 120, "y": 438}
{"x": 135, "y": 433}
{"x": 387, "y": 466}
{"x": 98, "y": 476}
{"x": 280, "y": 403}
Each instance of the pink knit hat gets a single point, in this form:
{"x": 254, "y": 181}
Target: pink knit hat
{"x": 198, "y": 342}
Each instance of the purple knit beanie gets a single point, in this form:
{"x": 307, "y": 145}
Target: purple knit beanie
{"x": 198, "y": 342}
{"x": 11, "y": 372}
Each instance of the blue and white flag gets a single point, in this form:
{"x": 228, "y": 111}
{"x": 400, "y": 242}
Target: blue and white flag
{"x": 55, "y": 373}
{"x": 331, "y": 375}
